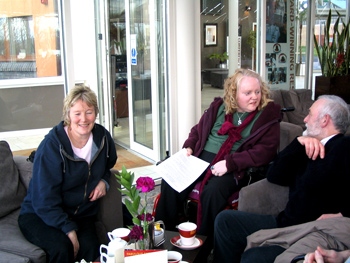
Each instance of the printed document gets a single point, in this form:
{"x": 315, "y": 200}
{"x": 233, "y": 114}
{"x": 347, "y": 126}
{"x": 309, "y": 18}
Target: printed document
{"x": 180, "y": 170}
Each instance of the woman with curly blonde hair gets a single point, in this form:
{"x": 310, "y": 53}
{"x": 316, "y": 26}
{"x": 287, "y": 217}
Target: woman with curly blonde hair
{"x": 237, "y": 132}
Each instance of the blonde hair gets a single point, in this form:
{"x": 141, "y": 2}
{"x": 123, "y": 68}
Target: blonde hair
{"x": 232, "y": 85}
{"x": 79, "y": 92}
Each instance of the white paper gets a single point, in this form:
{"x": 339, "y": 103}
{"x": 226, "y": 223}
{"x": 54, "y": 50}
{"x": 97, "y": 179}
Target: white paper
{"x": 154, "y": 257}
{"x": 180, "y": 170}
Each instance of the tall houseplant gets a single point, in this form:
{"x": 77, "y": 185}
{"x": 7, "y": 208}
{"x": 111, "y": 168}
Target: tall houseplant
{"x": 334, "y": 58}
{"x": 333, "y": 54}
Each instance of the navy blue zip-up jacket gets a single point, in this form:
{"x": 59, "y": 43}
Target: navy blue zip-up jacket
{"x": 61, "y": 184}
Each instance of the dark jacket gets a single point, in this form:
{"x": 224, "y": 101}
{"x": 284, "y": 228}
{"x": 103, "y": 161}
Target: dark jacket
{"x": 258, "y": 149}
{"x": 60, "y": 188}
{"x": 316, "y": 187}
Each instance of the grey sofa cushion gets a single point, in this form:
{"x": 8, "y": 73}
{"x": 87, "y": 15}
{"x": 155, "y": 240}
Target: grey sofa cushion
{"x": 276, "y": 96}
{"x": 263, "y": 198}
{"x": 25, "y": 169}
{"x": 13, "y": 242}
{"x": 12, "y": 189}
{"x": 302, "y": 101}
{"x": 12, "y": 258}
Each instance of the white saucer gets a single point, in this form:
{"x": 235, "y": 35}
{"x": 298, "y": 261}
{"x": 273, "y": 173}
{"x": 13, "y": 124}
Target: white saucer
{"x": 197, "y": 243}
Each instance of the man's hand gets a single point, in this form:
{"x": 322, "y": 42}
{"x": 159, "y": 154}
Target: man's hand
{"x": 313, "y": 147}
{"x": 98, "y": 192}
{"x": 72, "y": 235}
{"x": 323, "y": 255}
{"x": 325, "y": 216}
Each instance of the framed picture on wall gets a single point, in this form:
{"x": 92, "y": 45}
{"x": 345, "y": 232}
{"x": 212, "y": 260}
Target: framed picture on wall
{"x": 210, "y": 35}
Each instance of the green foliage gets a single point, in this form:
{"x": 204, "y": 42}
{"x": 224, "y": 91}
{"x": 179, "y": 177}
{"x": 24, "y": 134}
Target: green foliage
{"x": 329, "y": 52}
{"x": 252, "y": 39}
{"x": 126, "y": 179}
{"x": 222, "y": 57}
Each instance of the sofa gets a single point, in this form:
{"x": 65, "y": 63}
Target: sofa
{"x": 15, "y": 174}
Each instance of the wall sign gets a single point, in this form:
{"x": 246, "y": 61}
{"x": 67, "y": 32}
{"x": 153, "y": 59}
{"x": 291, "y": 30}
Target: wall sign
{"x": 133, "y": 49}
{"x": 279, "y": 60}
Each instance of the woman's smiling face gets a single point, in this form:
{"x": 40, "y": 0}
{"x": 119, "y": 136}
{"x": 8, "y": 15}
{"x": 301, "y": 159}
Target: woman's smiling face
{"x": 82, "y": 118}
{"x": 248, "y": 95}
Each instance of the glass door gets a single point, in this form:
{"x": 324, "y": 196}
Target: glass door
{"x": 146, "y": 76}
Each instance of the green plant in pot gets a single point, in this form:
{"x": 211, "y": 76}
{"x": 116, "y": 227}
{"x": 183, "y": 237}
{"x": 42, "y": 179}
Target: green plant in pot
{"x": 221, "y": 57}
{"x": 334, "y": 58}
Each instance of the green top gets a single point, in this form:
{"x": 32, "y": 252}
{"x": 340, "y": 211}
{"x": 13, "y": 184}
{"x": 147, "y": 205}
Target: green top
{"x": 215, "y": 141}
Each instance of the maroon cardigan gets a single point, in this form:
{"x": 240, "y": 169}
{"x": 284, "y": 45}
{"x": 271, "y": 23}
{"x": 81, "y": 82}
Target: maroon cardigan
{"x": 258, "y": 149}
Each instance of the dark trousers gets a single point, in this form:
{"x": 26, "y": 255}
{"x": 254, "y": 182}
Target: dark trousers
{"x": 230, "y": 237}
{"x": 56, "y": 244}
{"x": 214, "y": 199}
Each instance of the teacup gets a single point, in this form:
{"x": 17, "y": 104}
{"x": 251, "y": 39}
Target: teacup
{"x": 104, "y": 258}
{"x": 187, "y": 232}
{"x": 122, "y": 233}
{"x": 174, "y": 257}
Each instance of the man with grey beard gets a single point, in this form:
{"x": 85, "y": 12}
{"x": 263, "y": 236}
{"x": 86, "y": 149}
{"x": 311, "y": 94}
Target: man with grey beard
{"x": 315, "y": 166}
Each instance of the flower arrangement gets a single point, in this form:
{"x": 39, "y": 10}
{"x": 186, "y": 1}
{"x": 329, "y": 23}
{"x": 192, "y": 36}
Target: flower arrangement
{"x": 334, "y": 53}
{"x": 138, "y": 211}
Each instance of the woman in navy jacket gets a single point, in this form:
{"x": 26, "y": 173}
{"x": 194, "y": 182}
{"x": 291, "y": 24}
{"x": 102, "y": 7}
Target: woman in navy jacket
{"x": 256, "y": 119}
{"x": 71, "y": 172}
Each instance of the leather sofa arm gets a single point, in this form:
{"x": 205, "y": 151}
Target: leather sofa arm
{"x": 263, "y": 198}
{"x": 25, "y": 169}
{"x": 110, "y": 215}
{"x": 288, "y": 133}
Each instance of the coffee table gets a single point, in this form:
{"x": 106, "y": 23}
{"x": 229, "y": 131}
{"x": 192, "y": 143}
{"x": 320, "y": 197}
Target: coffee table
{"x": 197, "y": 255}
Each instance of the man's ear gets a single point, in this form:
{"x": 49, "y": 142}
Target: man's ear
{"x": 325, "y": 120}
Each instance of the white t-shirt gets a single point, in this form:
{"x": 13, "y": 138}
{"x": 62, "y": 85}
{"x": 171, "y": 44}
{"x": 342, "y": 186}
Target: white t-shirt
{"x": 85, "y": 152}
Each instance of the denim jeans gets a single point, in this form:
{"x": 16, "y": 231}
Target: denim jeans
{"x": 56, "y": 244}
{"x": 230, "y": 237}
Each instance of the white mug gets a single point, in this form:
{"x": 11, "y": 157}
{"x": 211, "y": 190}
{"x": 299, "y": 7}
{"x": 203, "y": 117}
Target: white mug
{"x": 114, "y": 247}
{"x": 104, "y": 258}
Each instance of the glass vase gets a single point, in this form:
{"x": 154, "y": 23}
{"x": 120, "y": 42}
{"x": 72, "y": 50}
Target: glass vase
{"x": 143, "y": 244}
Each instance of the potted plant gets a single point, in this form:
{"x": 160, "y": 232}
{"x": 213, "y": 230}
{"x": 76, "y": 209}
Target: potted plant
{"x": 221, "y": 57}
{"x": 334, "y": 57}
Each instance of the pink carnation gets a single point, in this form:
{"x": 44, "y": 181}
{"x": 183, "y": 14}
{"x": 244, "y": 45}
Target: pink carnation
{"x": 146, "y": 184}
{"x": 149, "y": 217}
{"x": 136, "y": 233}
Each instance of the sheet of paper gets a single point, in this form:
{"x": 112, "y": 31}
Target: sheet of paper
{"x": 180, "y": 170}
{"x": 154, "y": 257}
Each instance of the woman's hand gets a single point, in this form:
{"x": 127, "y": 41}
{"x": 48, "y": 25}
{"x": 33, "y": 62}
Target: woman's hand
{"x": 72, "y": 235}
{"x": 189, "y": 151}
{"x": 98, "y": 192}
{"x": 219, "y": 169}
